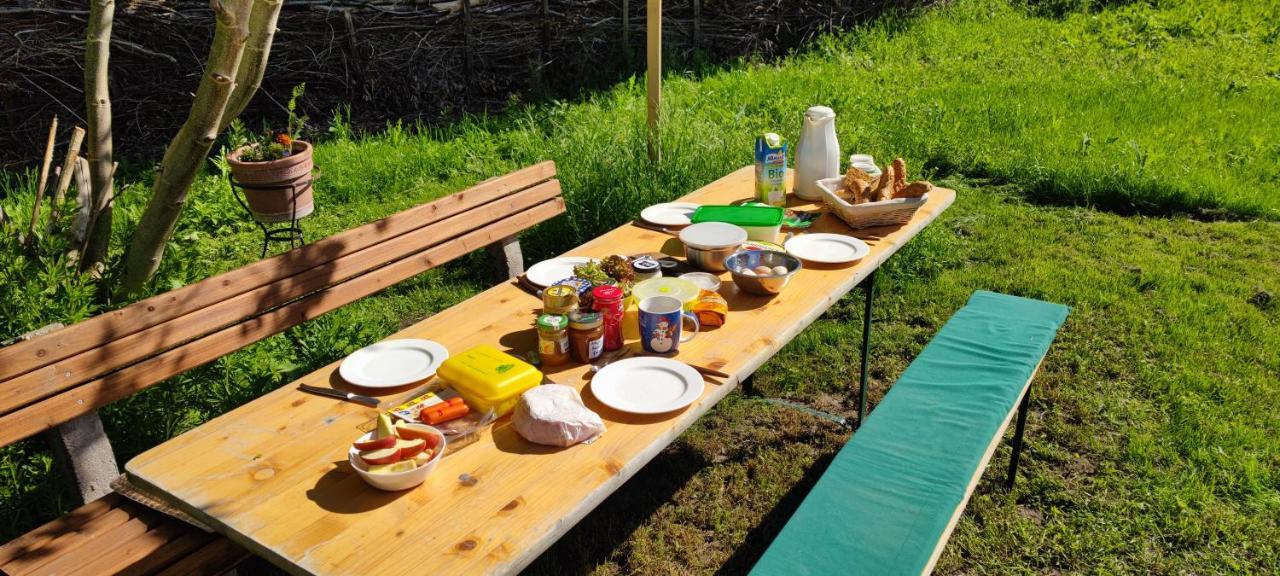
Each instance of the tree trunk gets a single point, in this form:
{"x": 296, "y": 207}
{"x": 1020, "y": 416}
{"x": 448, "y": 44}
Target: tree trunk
{"x": 188, "y": 150}
{"x": 97, "y": 99}
{"x": 262, "y": 32}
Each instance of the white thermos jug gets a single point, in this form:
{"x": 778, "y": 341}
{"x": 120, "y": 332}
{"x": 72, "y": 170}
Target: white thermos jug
{"x": 818, "y": 152}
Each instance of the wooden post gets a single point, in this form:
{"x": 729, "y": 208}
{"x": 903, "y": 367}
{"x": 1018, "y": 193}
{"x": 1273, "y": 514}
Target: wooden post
{"x": 466, "y": 39}
{"x": 44, "y": 179}
{"x": 697, "y": 23}
{"x": 626, "y": 31}
{"x": 653, "y": 36}
{"x": 84, "y": 205}
{"x": 64, "y": 178}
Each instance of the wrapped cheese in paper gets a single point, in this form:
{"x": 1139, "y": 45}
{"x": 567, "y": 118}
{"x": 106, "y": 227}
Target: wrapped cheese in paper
{"x": 554, "y": 414}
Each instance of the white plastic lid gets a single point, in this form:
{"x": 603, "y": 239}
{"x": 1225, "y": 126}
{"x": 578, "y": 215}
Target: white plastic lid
{"x": 820, "y": 112}
{"x": 712, "y": 235}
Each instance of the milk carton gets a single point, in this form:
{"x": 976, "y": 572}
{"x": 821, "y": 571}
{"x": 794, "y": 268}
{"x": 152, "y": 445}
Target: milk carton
{"x": 771, "y": 169}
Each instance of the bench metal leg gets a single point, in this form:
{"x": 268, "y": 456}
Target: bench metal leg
{"x": 1017, "y": 438}
{"x": 869, "y": 291}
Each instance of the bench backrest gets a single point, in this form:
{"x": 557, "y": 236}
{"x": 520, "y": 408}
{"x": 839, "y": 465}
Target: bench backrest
{"x": 54, "y": 378}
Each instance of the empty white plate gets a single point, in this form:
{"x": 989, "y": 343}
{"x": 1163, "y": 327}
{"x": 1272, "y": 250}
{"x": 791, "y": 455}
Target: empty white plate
{"x": 670, "y": 213}
{"x": 827, "y": 248}
{"x": 647, "y": 385}
{"x": 393, "y": 363}
{"x": 548, "y": 272}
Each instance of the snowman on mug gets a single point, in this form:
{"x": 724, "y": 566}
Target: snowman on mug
{"x": 661, "y": 324}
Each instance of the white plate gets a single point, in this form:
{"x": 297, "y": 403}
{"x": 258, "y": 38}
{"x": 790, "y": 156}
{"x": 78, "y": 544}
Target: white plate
{"x": 827, "y": 248}
{"x": 647, "y": 385}
{"x": 548, "y": 272}
{"x": 393, "y": 363}
{"x": 670, "y": 213}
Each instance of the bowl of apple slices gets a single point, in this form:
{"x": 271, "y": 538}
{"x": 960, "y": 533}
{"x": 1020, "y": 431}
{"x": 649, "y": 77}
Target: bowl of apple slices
{"x": 397, "y": 457}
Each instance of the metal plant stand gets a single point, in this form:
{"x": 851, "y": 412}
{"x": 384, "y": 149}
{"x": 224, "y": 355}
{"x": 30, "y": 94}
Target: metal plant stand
{"x": 291, "y": 232}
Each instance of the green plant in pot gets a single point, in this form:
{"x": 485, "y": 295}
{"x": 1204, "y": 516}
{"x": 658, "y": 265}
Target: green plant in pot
{"x": 274, "y": 168}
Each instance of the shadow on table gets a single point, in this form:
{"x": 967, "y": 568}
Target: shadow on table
{"x": 342, "y": 491}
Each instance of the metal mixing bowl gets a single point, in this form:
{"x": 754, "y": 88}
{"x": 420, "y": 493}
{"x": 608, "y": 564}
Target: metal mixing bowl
{"x": 709, "y": 259}
{"x": 762, "y": 285}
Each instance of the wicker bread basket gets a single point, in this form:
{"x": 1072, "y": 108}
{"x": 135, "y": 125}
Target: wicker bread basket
{"x": 869, "y": 214}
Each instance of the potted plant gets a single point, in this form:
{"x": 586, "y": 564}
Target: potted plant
{"x": 274, "y": 170}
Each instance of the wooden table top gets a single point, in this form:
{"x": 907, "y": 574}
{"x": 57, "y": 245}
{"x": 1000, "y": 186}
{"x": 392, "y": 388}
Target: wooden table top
{"x": 273, "y": 474}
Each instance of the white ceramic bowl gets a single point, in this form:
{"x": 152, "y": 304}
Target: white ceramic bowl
{"x": 399, "y": 480}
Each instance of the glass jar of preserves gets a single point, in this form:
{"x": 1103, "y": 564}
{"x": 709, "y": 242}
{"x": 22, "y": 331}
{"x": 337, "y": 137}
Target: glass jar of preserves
{"x": 607, "y": 300}
{"x": 559, "y": 299}
{"x": 645, "y": 268}
{"x": 586, "y": 335}
{"x": 553, "y": 339}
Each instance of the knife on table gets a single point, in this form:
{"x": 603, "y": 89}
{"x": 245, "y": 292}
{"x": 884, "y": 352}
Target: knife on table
{"x": 348, "y": 396}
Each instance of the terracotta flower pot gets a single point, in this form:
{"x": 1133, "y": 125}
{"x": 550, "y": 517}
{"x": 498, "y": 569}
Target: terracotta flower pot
{"x": 276, "y": 187}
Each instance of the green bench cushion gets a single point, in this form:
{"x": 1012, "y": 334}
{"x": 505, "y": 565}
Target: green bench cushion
{"x": 889, "y": 495}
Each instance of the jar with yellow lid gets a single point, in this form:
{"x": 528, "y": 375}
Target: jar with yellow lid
{"x": 559, "y": 299}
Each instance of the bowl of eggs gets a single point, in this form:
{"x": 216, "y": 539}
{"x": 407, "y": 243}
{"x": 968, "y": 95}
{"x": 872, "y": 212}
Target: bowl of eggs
{"x": 762, "y": 272}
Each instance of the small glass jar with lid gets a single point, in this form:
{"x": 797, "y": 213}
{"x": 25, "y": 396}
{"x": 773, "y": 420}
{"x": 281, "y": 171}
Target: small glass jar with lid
{"x": 559, "y": 299}
{"x": 645, "y": 268}
{"x": 553, "y": 339}
{"x": 586, "y": 335}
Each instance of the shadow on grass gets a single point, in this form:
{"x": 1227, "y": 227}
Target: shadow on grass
{"x": 603, "y": 532}
{"x": 759, "y": 538}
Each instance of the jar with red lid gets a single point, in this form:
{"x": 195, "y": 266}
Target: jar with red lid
{"x": 608, "y": 302}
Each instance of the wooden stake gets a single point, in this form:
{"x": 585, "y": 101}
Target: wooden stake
{"x": 697, "y": 23}
{"x": 653, "y": 17}
{"x": 626, "y": 30}
{"x": 64, "y": 179}
{"x": 44, "y": 179}
{"x": 84, "y": 204}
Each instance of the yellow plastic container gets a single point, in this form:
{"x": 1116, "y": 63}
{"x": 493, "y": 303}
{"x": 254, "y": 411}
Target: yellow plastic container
{"x": 487, "y": 378}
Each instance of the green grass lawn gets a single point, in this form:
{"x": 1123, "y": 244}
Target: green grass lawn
{"x": 1121, "y": 161}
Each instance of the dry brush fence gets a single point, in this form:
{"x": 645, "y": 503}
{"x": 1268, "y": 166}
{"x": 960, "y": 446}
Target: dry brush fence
{"x": 387, "y": 59}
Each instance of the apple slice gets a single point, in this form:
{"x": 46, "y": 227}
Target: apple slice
{"x": 385, "y": 429}
{"x": 394, "y": 468}
{"x": 423, "y": 457}
{"x": 411, "y": 448}
{"x": 375, "y": 443}
{"x": 383, "y": 456}
{"x": 410, "y": 431}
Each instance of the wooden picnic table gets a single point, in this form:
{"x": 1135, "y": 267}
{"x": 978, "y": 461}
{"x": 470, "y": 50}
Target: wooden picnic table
{"x": 273, "y": 474}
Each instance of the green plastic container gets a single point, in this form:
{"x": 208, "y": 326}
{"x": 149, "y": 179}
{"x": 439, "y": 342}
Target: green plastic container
{"x": 762, "y": 223}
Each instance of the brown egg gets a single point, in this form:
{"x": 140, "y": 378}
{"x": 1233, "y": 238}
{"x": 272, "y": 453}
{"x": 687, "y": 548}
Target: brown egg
{"x": 763, "y": 271}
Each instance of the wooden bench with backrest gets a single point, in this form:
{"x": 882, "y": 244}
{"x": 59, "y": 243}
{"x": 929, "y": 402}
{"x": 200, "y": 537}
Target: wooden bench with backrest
{"x": 890, "y": 498}
{"x": 59, "y": 379}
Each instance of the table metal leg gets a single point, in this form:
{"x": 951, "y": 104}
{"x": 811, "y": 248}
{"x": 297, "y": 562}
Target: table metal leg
{"x": 1017, "y": 438}
{"x": 869, "y": 292}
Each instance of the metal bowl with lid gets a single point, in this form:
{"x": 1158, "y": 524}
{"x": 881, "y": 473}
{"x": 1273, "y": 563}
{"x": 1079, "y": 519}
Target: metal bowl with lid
{"x": 707, "y": 244}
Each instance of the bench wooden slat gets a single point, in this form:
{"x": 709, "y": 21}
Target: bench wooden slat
{"x": 72, "y": 523}
{"x": 104, "y": 542}
{"x": 211, "y": 559}
{"x": 25, "y": 558}
{"x": 62, "y": 375}
{"x": 126, "y": 553}
{"x": 89, "y": 334}
{"x": 96, "y": 393}
{"x": 169, "y": 554}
